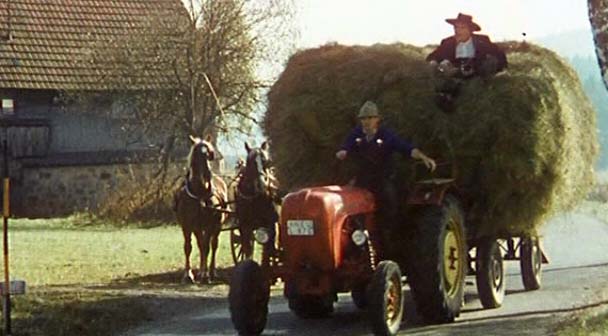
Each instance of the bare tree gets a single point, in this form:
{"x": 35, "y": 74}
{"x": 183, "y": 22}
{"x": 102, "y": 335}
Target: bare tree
{"x": 202, "y": 70}
{"x": 598, "y": 15}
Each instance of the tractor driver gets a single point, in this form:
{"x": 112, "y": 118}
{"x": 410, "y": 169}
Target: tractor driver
{"x": 372, "y": 145}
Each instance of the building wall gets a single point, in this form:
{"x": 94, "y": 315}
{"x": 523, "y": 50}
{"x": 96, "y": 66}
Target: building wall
{"x": 73, "y": 128}
{"x": 70, "y": 159}
{"x": 62, "y": 190}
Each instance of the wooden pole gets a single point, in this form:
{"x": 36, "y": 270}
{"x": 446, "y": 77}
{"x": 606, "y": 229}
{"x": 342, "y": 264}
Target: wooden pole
{"x": 6, "y": 303}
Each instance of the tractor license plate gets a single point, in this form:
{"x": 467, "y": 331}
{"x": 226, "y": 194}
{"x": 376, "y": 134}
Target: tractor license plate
{"x": 300, "y": 227}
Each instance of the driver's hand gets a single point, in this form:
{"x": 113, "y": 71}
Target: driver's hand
{"x": 341, "y": 154}
{"x": 429, "y": 163}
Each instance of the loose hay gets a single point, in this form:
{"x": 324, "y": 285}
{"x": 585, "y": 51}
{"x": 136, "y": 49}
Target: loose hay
{"x": 523, "y": 143}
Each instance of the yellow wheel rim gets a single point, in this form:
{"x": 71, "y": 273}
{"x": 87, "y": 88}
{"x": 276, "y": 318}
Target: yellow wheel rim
{"x": 452, "y": 260}
{"x": 393, "y": 306}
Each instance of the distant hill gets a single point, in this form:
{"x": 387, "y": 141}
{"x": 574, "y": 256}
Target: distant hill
{"x": 570, "y": 44}
{"x": 578, "y": 49}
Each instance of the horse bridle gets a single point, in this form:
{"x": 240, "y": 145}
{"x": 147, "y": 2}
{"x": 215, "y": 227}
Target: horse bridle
{"x": 262, "y": 188}
{"x": 208, "y": 155}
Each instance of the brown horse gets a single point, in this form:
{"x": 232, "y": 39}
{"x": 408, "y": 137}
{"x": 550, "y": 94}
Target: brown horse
{"x": 195, "y": 204}
{"x": 254, "y": 199}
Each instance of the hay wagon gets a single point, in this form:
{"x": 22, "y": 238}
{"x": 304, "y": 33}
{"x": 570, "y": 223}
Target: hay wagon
{"x": 486, "y": 252}
{"x": 524, "y": 150}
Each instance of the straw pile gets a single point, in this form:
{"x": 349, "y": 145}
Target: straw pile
{"x": 523, "y": 143}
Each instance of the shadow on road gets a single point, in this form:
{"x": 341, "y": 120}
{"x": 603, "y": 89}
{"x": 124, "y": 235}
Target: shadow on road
{"x": 164, "y": 280}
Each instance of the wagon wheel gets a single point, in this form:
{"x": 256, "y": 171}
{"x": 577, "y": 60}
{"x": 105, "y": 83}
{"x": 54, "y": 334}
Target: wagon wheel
{"x": 490, "y": 273}
{"x": 236, "y": 246}
{"x": 530, "y": 261}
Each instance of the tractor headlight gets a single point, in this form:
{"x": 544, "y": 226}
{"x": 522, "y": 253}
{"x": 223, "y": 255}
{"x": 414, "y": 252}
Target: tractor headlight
{"x": 261, "y": 235}
{"x": 359, "y": 237}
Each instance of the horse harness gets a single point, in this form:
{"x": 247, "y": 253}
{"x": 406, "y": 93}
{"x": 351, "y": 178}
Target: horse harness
{"x": 206, "y": 203}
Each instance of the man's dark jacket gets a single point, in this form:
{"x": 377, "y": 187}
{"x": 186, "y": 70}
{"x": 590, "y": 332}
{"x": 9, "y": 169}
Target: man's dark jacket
{"x": 374, "y": 157}
{"x": 483, "y": 47}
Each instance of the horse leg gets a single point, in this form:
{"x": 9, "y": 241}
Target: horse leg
{"x": 246, "y": 235}
{"x": 202, "y": 239}
{"x": 188, "y": 274}
{"x": 214, "y": 244}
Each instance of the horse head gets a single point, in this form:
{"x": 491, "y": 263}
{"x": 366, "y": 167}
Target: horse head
{"x": 257, "y": 177}
{"x": 199, "y": 171}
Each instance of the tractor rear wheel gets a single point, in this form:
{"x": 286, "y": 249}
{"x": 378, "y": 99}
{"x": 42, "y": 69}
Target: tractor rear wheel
{"x": 438, "y": 269}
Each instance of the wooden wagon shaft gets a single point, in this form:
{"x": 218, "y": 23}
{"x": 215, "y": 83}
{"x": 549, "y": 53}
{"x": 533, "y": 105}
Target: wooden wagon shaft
{"x": 230, "y": 212}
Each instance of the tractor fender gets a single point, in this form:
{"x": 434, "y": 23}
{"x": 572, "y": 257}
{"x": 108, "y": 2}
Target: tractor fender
{"x": 431, "y": 192}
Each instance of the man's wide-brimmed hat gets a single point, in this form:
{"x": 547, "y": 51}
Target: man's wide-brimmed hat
{"x": 369, "y": 109}
{"x": 465, "y": 19}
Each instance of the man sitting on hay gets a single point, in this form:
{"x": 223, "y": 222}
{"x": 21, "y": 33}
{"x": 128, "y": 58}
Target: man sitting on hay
{"x": 463, "y": 56}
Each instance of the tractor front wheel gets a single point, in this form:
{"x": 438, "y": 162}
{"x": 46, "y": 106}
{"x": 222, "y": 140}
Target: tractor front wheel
{"x": 248, "y": 298}
{"x": 385, "y": 299}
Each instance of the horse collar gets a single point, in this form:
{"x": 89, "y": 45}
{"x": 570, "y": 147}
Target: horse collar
{"x": 192, "y": 195}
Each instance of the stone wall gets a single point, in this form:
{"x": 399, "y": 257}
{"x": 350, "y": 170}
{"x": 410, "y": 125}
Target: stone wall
{"x": 63, "y": 184}
{"x": 62, "y": 190}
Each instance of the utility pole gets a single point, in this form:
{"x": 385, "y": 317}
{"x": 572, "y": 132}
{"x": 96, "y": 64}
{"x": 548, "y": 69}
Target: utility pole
{"x": 6, "y": 290}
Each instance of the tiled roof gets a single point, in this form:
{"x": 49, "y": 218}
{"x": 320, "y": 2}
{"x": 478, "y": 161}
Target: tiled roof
{"x": 40, "y": 40}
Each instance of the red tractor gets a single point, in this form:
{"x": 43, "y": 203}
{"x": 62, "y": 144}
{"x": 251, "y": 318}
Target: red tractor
{"x": 330, "y": 243}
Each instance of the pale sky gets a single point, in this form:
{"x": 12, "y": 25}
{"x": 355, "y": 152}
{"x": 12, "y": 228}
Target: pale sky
{"x": 420, "y": 22}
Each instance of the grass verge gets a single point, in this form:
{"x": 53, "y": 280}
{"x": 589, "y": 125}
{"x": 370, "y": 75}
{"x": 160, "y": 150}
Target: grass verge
{"x": 88, "y": 278}
{"x": 595, "y": 325}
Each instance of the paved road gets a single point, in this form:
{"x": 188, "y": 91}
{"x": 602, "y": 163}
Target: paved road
{"x": 577, "y": 278}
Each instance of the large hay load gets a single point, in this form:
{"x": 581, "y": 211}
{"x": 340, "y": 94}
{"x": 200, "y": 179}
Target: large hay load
{"x": 523, "y": 143}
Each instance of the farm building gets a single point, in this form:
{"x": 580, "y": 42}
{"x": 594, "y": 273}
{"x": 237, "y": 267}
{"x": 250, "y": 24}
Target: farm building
{"x": 65, "y": 157}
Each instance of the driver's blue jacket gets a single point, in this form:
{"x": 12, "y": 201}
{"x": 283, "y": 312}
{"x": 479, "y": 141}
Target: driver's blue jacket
{"x": 375, "y": 156}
